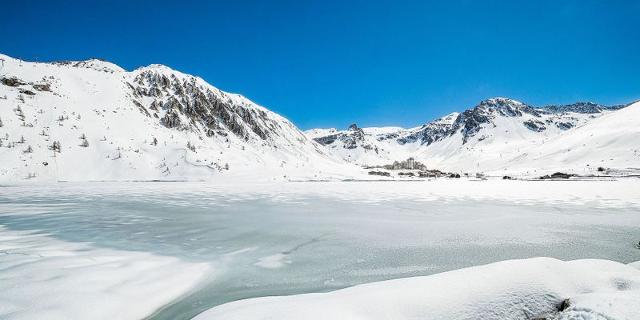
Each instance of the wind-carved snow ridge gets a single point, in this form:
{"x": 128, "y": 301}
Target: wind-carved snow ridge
{"x": 501, "y": 136}
{"x": 539, "y": 288}
{"x": 93, "y": 121}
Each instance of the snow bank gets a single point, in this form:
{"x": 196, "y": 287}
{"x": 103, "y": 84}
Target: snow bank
{"x": 44, "y": 278}
{"x": 515, "y": 289}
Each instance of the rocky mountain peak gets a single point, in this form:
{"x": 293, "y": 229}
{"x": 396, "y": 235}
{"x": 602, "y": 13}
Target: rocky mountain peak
{"x": 503, "y": 106}
{"x": 500, "y": 102}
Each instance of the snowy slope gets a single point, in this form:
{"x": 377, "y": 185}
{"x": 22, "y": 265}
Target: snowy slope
{"x": 505, "y": 146}
{"x": 611, "y": 141}
{"x": 153, "y": 123}
{"x": 499, "y": 135}
{"x": 539, "y": 288}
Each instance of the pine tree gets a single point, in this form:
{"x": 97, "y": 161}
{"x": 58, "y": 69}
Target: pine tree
{"x": 20, "y": 113}
{"x": 55, "y": 146}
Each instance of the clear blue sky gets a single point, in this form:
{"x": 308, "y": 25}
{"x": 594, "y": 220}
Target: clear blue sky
{"x": 331, "y": 63}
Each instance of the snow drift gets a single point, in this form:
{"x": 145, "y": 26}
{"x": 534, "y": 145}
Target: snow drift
{"x": 539, "y": 288}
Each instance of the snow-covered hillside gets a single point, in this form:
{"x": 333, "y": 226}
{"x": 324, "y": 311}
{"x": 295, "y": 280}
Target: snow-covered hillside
{"x": 501, "y": 135}
{"x": 92, "y": 120}
{"x": 611, "y": 141}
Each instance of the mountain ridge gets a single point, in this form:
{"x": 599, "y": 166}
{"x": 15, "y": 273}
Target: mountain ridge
{"x": 167, "y": 125}
{"x": 456, "y": 141}
{"x": 92, "y": 120}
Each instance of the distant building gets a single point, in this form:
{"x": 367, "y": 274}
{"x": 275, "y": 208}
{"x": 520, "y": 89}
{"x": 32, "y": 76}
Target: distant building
{"x": 409, "y": 164}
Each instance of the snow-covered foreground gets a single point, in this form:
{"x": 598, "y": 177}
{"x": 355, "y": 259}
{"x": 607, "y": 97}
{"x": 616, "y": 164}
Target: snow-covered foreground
{"x": 516, "y": 289}
{"x": 45, "y": 278}
{"x": 150, "y": 246}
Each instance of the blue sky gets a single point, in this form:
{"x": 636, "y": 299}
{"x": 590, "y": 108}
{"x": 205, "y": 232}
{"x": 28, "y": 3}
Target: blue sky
{"x": 331, "y": 63}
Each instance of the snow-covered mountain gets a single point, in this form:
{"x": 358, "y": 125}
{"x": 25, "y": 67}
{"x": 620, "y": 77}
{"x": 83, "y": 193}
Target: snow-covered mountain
{"x": 92, "y": 120}
{"x": 500, "y": 135}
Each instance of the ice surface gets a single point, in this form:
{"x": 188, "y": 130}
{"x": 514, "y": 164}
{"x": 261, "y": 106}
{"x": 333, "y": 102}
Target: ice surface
{"x": 292, "y": 238}
{"x": 45, "y": 278}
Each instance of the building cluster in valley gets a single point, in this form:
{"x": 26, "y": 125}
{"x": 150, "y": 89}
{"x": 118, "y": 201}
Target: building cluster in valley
{"x": 409, "y": 164}
{"x": 414, "y": 169}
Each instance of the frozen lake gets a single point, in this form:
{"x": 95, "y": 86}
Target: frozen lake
{"x": 289, "y": 238}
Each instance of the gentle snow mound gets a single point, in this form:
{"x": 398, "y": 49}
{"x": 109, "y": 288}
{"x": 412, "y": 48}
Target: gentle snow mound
{"x": 515, "y": 289}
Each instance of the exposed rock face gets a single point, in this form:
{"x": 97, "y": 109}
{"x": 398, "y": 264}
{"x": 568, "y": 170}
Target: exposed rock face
{"x": 42, "y": 87}
{"x": 581, "y": 107}
{"x": 186, "y": 104}
{"x": 12, "y": 82}
{"x": 350, "y": 139}
{"x": 471, "y": 121}
{"x": 171, "y": 119}
{"x": 534, "y": 125}
{"x": 564, "y": 125}
{"x": 432, "y": 131}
